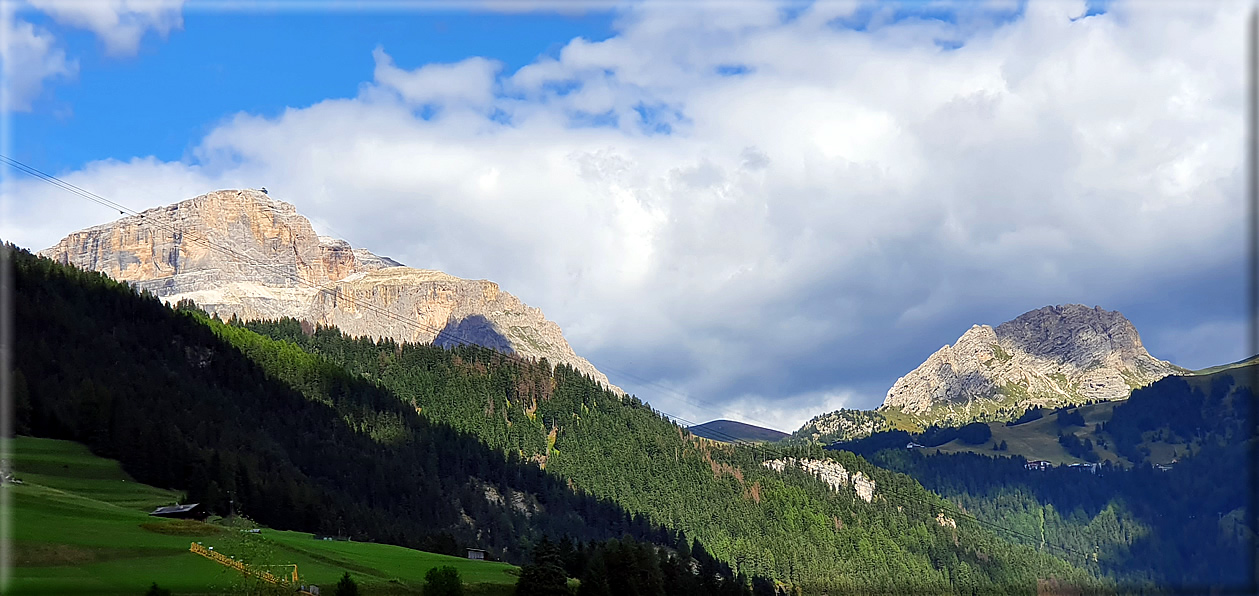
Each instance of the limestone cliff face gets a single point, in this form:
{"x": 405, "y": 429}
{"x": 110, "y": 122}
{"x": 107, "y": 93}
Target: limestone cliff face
{"x": 240, "y": 252}
{"x": 1050, "y": 356}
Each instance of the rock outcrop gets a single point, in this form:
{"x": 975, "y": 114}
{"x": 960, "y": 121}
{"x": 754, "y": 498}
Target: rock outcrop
{"x": 243, "y": 253}
{"x": 829, "y": 472}
{"x": 1052, "y": 356}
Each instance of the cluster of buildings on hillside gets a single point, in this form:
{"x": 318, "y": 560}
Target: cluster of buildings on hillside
{"x": 1040, "y": 464}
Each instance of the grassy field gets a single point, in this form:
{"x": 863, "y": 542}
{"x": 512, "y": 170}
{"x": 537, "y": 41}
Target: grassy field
{"x": 1223, "y": 367}
{"x": 80, "y": 526}
{"x": 1038, "y": 439}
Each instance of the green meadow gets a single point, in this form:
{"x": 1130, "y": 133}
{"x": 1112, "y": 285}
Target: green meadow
{"x": 80, "y": 525}
{"x": 1038, "y": 439}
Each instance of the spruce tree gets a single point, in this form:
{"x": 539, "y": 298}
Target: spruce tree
{"x": 545, "y": 575}
{"x": 346, "y": 587}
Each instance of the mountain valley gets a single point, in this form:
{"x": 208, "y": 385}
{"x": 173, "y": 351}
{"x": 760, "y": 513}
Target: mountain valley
{"x": 440, "y": 448}
{"x": 316, "y": 387}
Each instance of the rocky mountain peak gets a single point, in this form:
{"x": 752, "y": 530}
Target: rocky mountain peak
{"x": 221, "y": 236}
{"x": 244, "y": 253}
{"x": 1050, "y": 356}
{"x": 1075, "y": 332}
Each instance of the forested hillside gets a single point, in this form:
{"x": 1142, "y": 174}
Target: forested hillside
{"x": 436, "y": 448}
{"x": 785, "y": 525}
{"x": 1187, "y": 524}
{"x": 297, "y": 442}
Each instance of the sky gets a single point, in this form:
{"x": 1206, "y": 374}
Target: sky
{"x": 761, "y": 211}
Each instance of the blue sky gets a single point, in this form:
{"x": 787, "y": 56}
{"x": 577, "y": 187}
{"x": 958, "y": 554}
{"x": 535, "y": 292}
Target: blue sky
{"x": 770, "y": 209}
{"x": 164, "y": 99}
{"x": 225, "y": 61}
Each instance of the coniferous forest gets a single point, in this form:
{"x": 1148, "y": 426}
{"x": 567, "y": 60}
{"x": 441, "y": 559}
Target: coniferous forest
{"x": 447, "y": 448}
{"x": 1190, "y": 525}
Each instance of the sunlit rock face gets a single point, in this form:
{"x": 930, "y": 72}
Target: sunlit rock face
{"x": 243, "y": 253}
{"x": 1050, "y": 356}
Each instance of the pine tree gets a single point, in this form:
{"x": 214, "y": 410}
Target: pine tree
{"x": 346, "y": 587}
{"x": 545, "y": 576}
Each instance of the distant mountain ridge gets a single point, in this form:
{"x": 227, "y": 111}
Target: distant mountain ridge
{"x": 1052, "y": 356}
{"x": 279, "y": 267}
{"x": 730, "y": 431}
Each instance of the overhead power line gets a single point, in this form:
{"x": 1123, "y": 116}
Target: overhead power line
{"x": 454, "y": 337}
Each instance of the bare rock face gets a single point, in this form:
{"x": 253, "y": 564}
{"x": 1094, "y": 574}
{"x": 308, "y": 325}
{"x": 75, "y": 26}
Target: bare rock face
{"x": 1052, "y": 356}
{"x": 240, "y": 252}
{"x": 830, "y": 472}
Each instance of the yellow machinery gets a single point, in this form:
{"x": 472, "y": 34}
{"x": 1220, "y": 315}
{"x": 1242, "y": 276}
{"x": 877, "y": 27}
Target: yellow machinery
{"x": 288, "y": 580}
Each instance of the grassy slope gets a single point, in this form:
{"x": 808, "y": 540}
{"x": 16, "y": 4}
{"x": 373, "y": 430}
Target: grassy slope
{"x": 1038, "y": 439}
{"x": 1223, "y": 367}
{"x": 78, "y": 529}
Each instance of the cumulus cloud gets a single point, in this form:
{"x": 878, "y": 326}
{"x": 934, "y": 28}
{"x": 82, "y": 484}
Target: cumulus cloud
{"x": 34, "y": 212}
{"x": 120, "y": 24}
{"x": 772, "y": 214}
{"x": 466, "y": 83}
{"x": 31, "y": 55}
{"x": 28, "y": 56}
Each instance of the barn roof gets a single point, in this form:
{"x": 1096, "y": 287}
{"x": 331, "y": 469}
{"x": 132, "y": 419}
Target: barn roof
{"x": 175, "y": 509}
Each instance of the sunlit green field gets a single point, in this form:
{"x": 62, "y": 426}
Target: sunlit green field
{"x": 80, "y": 526}
{"x": 1038, "y": 439}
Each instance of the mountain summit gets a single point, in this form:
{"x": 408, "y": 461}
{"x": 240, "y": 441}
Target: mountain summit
{"x": 1054, "y": 355}
{"x": 1049, "y": 357}
{"x": 243, "y": 253}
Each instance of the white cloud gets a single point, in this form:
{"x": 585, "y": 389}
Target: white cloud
{"x": 814, "y": 226}
{"x": 466, "y": 83}
{"x": 35, "y": 211}
{"x": 785, "y": 414}
{"x": 120, "y": 24}
{"x": 28, "y": 56}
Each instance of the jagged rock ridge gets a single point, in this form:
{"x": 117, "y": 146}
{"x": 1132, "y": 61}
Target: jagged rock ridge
{"x": 275, "y": 265}
{"x": 1050, "y": 356}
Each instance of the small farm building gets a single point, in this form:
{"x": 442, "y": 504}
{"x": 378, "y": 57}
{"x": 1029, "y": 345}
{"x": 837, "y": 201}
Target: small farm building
{"x": 189, "y": 511}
